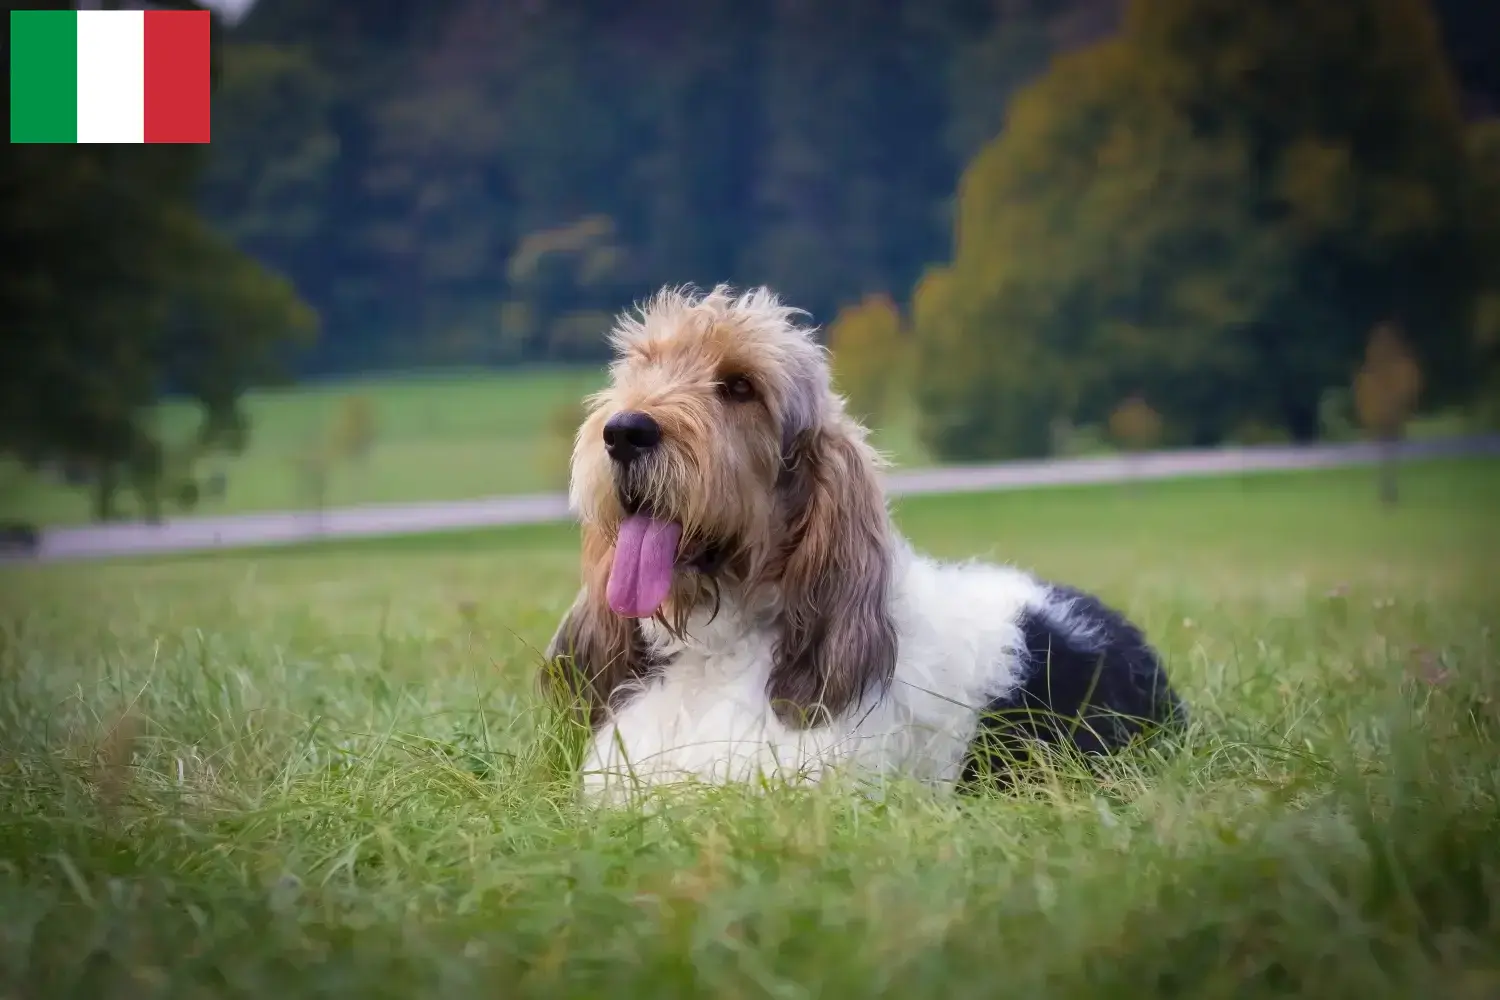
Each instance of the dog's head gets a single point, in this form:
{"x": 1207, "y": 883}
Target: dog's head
{"x": 718, "y": 458}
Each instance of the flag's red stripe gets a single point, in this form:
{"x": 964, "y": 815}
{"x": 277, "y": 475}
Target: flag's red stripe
{"x": 177, "y": 44}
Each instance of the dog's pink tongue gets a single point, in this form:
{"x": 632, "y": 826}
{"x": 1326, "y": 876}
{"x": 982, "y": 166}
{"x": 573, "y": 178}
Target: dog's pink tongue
{"x": 642, "y": 574}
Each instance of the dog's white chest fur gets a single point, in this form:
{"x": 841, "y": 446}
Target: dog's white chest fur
{"x": 706, "y": 716}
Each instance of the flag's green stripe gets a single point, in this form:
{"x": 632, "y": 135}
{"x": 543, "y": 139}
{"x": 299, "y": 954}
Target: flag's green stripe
{"x": 43, "y": 76}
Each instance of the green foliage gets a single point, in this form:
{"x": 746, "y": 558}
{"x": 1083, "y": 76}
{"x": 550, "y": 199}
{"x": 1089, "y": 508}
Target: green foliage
{"x": 1135, "y": 426}
{"x": 1387, "y": 384}
{"x": 231, "y": 320}
{"x": 444, "y": 436}
{"x": 122, "y": 291}
{"x": 989, "y": 66}
{"x": 275, "y": 149}
{"x": 1211, "y": 209}
{"x": 556, "y": 274}
{"x": 119, "y": 292}
{"x": 395, "y": 160}
{"x": 980, "y": 397}
{"x": 853, "y": 169}
{"x": 1484, "y": 214}
{"x": 870, "y": 356}
{"x": 1253, "y": 431}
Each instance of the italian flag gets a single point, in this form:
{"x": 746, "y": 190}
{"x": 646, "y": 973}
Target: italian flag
{"x": 109, "y": 76}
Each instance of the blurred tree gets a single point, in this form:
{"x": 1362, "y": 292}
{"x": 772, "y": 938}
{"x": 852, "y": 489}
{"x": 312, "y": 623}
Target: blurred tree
{"x": 1385, "y": 395}
{"x": 441, "y": 215}
{"x": 1210, "y": 208}
{"x": 1336, "y": 419}
{"x": 1352, "y": 121}
{"x": 870, "y": 356}
{"x": 694, "y": 127}
{"x": 231, "y": 324}
{"x": 1006, "y": 410}
{"x": 301, "y": 175}
{"x": 1484, "y": 215}
{"x": 579, "y": 335}
{"x": 391, "y": 157}
{"x": 997, "y": 47}
{"x": 1472, "y": 33}
{"x": 1134, "y": 425}
{"x": 119, "y": 293}
{"x": 272, "y": 181}
{"x": 853, "y": 161}
{"x": 552, "y": 273}
{"x": 354, "y": 429}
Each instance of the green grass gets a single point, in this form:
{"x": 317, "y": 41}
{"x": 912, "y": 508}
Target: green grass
{"x": 438, "y": 438}
{"x": 333, "y": 779}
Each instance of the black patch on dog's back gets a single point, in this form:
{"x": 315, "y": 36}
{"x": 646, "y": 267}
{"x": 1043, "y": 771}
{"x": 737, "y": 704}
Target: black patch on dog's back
{"x": 1090, "y": 679}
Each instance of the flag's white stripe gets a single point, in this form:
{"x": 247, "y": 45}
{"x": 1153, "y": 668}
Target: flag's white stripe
{"x": 111, "y": 76}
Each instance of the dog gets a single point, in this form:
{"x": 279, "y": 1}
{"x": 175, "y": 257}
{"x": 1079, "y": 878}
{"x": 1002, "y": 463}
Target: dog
{"x": 749, "y": 613}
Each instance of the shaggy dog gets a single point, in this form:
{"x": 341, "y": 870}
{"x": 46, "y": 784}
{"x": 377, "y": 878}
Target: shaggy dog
{"x": 749, "y": 612}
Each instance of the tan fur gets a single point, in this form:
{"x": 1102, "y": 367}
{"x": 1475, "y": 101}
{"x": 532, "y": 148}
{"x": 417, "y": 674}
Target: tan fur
{"x": 786, "y": 484}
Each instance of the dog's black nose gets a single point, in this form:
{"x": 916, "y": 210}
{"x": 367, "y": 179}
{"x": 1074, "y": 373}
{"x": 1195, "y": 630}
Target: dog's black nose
{"x": 630, "y": 434}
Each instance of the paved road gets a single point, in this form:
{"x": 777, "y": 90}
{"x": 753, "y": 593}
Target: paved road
{"x": 292, "y": 527}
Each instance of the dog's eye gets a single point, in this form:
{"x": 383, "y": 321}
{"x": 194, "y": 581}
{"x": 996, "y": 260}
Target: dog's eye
{"x": 737, "y": 388}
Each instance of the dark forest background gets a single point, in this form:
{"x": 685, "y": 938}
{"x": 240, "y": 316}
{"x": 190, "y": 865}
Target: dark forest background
{"x": 1038, "y": 208}
{"x": 451, "y": 181}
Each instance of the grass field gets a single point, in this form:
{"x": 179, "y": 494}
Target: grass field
{"x": 321, "y": 772}
{"x": 438, "y": 438}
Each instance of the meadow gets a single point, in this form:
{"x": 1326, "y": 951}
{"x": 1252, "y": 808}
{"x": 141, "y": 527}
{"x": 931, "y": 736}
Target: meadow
{"x": 454, "y": 436}
{"x": 437, "y": 437}
{"x": 323, "y": 772}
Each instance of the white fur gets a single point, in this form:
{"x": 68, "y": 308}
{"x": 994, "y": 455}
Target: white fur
{"x": 706, "y": 717}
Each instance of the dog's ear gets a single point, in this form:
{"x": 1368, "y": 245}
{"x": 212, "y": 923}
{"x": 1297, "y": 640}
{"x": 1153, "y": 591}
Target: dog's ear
{"x": 594, "y": 650}
{"x": 837, "y": 638}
